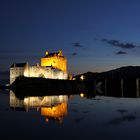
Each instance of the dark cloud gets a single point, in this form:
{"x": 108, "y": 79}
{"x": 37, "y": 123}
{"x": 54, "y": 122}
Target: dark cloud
{"x": 117, "y": 43}
{"x": 77, "y": 45}
{"x": 75, "y": 53}
{"x": 120, "y": 53}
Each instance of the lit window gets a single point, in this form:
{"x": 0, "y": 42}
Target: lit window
{"x": 82, "y": 77}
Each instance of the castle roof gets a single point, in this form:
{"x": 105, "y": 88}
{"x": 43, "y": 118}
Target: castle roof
{"x": 18, "y": 65}
{"x": 53, "y": 54}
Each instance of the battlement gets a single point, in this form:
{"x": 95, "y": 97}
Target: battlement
{"x": 54, "y": 54}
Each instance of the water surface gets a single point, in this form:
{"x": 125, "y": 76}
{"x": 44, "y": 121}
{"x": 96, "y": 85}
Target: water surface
{"x": 69, "y": 117}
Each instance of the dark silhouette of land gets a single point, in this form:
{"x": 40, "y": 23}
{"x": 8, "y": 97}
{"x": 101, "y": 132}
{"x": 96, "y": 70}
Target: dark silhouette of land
{"x": 121, "y": 82}
{"x": 42, "y": 86}
{"x": 128, "y": 72}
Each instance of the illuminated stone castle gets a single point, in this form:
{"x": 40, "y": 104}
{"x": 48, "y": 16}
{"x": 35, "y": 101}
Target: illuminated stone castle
{"x": 53, "y": 66}
{"x": 56, "y": 60}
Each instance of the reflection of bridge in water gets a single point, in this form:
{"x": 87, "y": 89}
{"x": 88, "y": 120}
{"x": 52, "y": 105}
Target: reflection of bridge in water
{"x": 120, "y": 87}
{"x": 52, "y": 107}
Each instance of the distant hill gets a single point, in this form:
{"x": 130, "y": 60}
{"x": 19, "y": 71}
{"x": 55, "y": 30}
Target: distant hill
{"x": 123, "y": 72}
{"x": 4, "y": 72}
{"x": 4, "y": 77}
{"x": 87, "y": 76}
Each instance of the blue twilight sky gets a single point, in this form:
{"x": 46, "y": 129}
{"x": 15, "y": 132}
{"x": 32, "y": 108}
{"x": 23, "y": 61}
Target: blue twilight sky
{"x": 95, "y": 35}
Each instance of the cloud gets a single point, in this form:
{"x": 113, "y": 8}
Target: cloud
{"x": 117, "y": 43}
{"x": 77, "y": 45}
{"x": 120, "y": 53}
{"x": 75, "y": 53}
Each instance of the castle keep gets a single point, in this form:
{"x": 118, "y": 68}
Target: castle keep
{"x": 56, "y": 60}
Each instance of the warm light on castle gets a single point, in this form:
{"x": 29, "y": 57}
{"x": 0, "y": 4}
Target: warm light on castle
{"x": 56, "y": 60}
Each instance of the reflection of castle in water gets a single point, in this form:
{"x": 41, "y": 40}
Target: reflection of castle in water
{"x": 52, "y": 107}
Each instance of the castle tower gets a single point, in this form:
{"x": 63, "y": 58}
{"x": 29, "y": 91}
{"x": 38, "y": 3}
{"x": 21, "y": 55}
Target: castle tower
{"x": 56, "y": 60}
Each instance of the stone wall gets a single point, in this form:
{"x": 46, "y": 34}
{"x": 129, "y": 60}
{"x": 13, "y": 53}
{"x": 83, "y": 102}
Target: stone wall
{"x": 45, "y": 72}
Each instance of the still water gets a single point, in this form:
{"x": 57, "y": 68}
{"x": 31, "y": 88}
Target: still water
{"x": 69, "y": 117}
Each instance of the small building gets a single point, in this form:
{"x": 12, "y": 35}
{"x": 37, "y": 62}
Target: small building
{"x": 16, "y": 70}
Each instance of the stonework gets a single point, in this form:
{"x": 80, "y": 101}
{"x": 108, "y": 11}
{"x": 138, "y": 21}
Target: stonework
{"x": 17, "y": 70}
{"x": 45, "y": 72}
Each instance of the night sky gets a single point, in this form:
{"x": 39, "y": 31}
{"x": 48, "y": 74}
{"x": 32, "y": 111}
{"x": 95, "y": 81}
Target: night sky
{"x": 95, "y": 35}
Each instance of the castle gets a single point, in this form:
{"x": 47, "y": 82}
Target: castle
{"x": 53, "y": 66}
